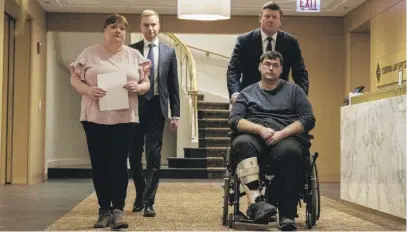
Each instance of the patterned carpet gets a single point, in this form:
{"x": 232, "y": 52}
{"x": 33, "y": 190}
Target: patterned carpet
{"x": 182, "y": 206}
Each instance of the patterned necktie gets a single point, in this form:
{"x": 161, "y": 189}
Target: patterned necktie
{"x": 269, "y": 46}
{"x": 150, "y": 56}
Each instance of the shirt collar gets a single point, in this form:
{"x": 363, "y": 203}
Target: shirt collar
{"x": 155, "y": 42}
{"x": 264, "y": 36}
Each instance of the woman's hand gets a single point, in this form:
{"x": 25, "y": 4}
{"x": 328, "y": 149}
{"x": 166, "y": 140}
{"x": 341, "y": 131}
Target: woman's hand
{"x": 132, "y": 86}
{"x": 96, "y": 92}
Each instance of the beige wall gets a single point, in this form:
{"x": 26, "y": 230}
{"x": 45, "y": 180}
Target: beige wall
{"x": 28, "y": 125}
{"x": 36, "y": 141}
{"x": 322, "y": 42}
{"x": 387, "y": 20}
{"x": 2, "y": 156}
{"x": 357, "y": 47}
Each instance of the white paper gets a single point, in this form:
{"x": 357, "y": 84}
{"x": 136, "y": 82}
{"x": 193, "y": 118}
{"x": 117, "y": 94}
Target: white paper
{"x": 117, "y": 97}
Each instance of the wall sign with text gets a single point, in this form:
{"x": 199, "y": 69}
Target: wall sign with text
{"x": 388, "y": 68}
{"x": 308, "y": 5}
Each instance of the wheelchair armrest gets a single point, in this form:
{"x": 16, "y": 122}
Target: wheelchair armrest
{"x": 310, "y": 136}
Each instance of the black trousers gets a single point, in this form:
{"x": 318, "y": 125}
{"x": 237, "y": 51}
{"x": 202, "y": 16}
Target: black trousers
{"x": 149, "y": 132}
{"x": 285, "y": 159}
{"x": 108, "y": 147}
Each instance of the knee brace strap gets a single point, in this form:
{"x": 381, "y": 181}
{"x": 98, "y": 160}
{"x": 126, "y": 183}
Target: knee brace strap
{"x": 248, "y": 170}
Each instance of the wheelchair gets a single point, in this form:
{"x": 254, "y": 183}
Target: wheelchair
{"x": 309, "y": 194}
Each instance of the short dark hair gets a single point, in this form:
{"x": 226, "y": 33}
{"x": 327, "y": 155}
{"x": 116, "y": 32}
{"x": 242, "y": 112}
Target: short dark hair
{"x": 116, "y": 18}
{"x": 271, "y": 6}
{"x": 272, "y": 55}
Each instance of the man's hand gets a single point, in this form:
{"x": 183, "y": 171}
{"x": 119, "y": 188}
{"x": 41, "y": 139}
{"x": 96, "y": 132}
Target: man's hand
{"x": 277, "y": 137}
{"x": 96, "y": 92}
{"x": 132, "y": 86}
{"x": 266, "y": 133}
{"x": 173, "y": 125}
{"x": 233, "y": 98}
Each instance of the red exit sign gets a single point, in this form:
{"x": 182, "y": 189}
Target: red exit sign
{"x": 308, "y": 5}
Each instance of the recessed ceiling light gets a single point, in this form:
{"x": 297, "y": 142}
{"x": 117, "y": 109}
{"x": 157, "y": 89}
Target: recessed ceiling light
{"x": 47, "y": 2}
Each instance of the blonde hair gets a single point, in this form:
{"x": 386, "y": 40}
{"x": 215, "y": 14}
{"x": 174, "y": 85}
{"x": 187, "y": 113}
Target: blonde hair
{"x": 148, "y": 13}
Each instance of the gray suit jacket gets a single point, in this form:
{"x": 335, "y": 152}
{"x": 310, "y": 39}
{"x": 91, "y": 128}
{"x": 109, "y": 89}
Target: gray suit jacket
{"x": 167, "y": 77}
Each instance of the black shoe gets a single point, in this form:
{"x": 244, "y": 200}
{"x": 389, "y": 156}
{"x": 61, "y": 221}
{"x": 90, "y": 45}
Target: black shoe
{"x": 149, "y": 211}
{"x": 287, "y": 224}
{"x": 137, "y": 207}
{"x": 104, "y": 219}
{"x": 261, "y": 211}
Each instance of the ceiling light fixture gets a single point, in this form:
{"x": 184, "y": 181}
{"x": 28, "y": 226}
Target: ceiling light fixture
{"x": 205, "y": 10}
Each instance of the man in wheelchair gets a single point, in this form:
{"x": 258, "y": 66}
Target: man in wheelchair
{"x": 272, "y": 119}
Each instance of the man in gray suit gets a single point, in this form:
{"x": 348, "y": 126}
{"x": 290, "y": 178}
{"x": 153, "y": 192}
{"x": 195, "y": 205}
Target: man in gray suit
{"x": 153, "y": 110}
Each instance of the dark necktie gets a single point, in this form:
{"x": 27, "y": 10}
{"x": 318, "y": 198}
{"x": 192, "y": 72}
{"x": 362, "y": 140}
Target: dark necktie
{"x": 269, "y": 45}
{"x": 150, "y": 56}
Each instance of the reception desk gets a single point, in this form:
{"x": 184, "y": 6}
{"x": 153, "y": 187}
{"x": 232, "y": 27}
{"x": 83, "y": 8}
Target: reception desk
{"x": 373, "y": 151}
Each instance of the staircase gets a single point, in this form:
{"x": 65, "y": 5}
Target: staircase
{"x": 213, "y": 143}
{"x": 204, "y": 162}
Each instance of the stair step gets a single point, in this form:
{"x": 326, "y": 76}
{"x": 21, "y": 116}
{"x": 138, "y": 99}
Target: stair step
{"x": 211, "y": 162}
{"x": 174, "y": 162}
{"x": 205, "y": 152}
{"x": 213, "y": 132}
{"x": 214, "y": 142}
{"x": 165, "y": 173}
{"x": 213, "y": 105}
{"x": 216, "y": 173}
{"x": 213, "y": 122}
{"x": 213, "y": 113}
{"x": 216, "y": 151}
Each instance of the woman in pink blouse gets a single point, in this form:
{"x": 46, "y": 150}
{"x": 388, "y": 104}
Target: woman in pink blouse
{"x": 109, "y": 132}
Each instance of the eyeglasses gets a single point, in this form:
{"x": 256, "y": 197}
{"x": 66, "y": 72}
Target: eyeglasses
{"x": 269, "y": 65}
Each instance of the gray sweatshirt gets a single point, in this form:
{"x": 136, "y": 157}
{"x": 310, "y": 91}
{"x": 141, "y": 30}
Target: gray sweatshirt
{"x": 275, "y": 108}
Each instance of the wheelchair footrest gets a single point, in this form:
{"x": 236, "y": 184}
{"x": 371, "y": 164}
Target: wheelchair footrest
{"x": 248, "y": 221}
{"x": 242, "y": 218}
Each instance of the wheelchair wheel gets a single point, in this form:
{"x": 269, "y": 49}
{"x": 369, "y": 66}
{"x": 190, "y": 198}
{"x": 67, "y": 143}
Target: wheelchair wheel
{"x": 312, "y": 208}
{"x": 318, "y": 193}
{"x": 226, "y": 195}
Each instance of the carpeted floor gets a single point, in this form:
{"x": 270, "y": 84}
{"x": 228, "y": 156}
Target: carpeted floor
{"x": 198, "y": 206}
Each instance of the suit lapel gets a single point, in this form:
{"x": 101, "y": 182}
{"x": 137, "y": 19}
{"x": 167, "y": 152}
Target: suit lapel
{"x": 259, "y": 43}
{"x": 162, "y": 50}
{"x": 140, "y": 47}
{"x": 279, "y": 42}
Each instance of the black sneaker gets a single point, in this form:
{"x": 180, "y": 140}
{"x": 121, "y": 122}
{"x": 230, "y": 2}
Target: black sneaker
{"x": 287, "y": 224}
{"x": 261, "y": 211}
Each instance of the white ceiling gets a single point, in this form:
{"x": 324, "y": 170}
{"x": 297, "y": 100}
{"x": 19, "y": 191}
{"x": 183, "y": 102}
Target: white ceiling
{"x": 239, "y": 7}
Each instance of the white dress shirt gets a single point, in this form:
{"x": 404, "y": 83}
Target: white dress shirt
{"x": 265, "y": 41}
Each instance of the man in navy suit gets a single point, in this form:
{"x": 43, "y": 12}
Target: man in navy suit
{"x": 153, "y": 111}
{"x": 243, "y": 67}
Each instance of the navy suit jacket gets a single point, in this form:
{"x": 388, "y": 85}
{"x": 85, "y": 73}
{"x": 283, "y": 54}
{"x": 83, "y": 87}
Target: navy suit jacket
{"x": 244, "y": 63}
{"x": 167, "y": 77}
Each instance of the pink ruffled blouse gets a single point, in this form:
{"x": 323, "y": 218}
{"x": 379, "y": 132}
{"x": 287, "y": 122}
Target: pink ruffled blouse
{"x": 96, "y": 60}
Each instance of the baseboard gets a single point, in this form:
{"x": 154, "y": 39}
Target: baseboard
{"x": 66, "y": 162}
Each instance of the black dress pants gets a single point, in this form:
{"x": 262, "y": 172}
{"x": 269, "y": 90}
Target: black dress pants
{"x": 108, "y": 147}
{"x": 285, "y": 159}
{"x": 149, "y": 132}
